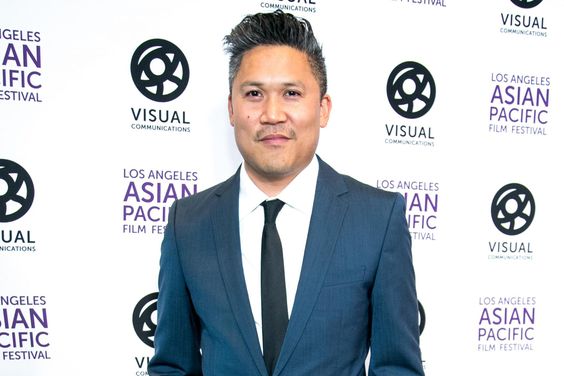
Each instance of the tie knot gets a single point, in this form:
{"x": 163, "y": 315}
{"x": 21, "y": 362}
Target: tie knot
{"x": 271, "y": 210}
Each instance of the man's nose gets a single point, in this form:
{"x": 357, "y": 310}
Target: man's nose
{"x": 273, "y": 111}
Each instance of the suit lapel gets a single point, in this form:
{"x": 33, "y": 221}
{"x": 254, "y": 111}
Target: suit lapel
{"x": 225, "y": 220}
{"x": 328, "y": 212}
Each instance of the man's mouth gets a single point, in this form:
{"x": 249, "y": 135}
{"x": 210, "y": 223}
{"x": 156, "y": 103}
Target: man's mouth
{"x": 274, "y": 139}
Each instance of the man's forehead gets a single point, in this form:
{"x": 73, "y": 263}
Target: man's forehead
{"x": 273, "y": 51}
{"x": 275, "y": 61}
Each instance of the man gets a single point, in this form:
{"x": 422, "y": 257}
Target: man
{"x": 347, "y": 282}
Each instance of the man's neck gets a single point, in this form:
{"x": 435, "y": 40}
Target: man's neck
{"x": 271, "y": 186}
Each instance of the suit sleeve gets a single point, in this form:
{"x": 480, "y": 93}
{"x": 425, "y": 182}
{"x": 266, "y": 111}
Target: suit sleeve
{"x": 395, "y": 330}
{"x": 177, "y": 337}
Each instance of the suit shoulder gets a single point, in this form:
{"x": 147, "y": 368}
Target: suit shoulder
{"x": 369, "y": 192}
{"x": 204, "y": 199}
{"x": 358, "y": 192}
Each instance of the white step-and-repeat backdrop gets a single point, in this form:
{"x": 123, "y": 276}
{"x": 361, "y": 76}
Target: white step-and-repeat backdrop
{"x": 457, "y": 104}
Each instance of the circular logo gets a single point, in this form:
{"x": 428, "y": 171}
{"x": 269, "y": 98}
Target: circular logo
{"x": 143, "y": 316}
{"x": 411, "y": 90}
{"x": 513, "y": 209}
{"x": 421, "y": 317}
{"x": 159, "y": 70}
{"x": 16, "y": 191}
{"x": 526, "y": 3}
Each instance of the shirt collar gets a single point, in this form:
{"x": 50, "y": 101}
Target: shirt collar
{"x": 299, "y": 194}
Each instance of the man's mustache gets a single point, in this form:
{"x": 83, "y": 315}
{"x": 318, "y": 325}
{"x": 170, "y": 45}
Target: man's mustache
{"x": 275, "y": 130}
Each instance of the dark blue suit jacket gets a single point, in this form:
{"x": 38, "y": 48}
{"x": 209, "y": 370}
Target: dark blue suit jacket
{"x": 356, "y": 290}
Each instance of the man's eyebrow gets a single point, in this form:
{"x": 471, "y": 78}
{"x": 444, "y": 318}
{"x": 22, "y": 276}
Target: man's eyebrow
{"x": 261, "y": 84}
{"x": 251, "y": 83}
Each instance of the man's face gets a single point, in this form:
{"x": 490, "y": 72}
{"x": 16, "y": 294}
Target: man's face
{"x": 276, "y": 111}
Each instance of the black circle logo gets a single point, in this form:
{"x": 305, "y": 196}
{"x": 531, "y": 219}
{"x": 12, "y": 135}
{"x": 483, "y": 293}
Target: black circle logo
{"x": 513, "y": 209}
{"x": 411, "y": 90}
{"x": 16, "y": 191}
{"x": 527, "y": 4}
{"x": 143, "y": 322}
{"x": 422, "y": 317}
{"x": 159, "y": 70}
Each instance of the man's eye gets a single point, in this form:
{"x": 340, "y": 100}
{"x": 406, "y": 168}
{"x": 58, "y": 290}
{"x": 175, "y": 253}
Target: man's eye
{"x": 253, "y": 93}
{"x": 292, "y": 93}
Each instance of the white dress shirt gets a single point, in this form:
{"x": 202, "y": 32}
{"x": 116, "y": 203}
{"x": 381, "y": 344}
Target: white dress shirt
{"x": 292, "y": 224}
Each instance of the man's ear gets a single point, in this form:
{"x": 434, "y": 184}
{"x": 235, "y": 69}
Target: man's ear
{"x": 325, "y": 110}
{"x": 230, "y": 110}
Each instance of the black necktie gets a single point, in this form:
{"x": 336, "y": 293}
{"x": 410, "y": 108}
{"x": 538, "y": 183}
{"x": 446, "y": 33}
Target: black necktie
{"x": 273, "y": 287}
